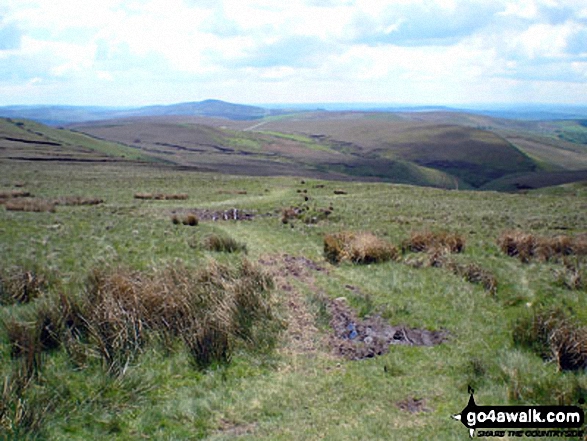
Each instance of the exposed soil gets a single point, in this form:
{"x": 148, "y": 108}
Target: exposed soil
{"x": 357, "y": 339}
{"x": 302, "y": 332}
{"x": 221, "y": 215}
{"x": 352, "y": 338}
{"x": 234, "y": 429}
{"x": 413, "y": 405}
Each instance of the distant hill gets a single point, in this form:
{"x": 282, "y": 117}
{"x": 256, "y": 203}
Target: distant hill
{"x": 212, "y": 108}
{"x": 63, "y": 115}
{"x": 439, "y": 149}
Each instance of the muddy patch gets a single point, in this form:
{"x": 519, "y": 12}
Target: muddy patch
{"x": 356, "y": 339}
{"x": 235, "y": 214}
{"x": 413, "y": 405}
{"x": 302, "y": 334}
{"x": 234, "y": 429}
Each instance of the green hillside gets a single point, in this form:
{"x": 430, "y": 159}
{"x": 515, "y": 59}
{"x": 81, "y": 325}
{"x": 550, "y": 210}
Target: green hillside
{"x": 24, "y": 139}
{"x": 88, "y": 349}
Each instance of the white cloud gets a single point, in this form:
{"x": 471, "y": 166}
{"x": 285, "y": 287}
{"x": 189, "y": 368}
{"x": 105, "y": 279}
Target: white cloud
{"x": 262, "y": 50}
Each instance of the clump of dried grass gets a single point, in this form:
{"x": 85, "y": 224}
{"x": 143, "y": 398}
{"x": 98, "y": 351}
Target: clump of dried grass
{"x": 209, "y": 309}
{"x": 10, "y": 194}
{"x": 161, "y": 196}
{"x": 554, "y": 336}
{"x": 189, "y": 219}
{"x": 362, "y": 248}
{"x": 290, "y": 213}
{"x": 78, "y": 200}
{"x": 223, "y": 244}
{"x": 474, "y": 273}
{"x": 30, "y": 204}
{"x": 572, "y": 276}
{"x": 22, "y": 285}
{"x": 527, "y": 246}
{"x": 424, "y": 241}
{"x": 21, "y": 414}
{"x": 471, "y": 272}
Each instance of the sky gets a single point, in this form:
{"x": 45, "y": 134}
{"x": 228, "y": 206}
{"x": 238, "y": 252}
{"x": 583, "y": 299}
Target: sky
{"x": 417, "y": 52}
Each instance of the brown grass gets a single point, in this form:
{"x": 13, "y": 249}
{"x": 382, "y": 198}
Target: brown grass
{"x": 572, "y": 276}
{"x": 527, "y": 246}
{"x": 288, "y": 214}
{"x": 10, "y": 194}
{"x": 209, "y": 309}
{"x": 554, "y": 336}
{"x": 221, "y": 243}
{"x": 21, "y": 285}
{"x": 474, "y": 273}
{"x": 189, "y": 219}
{"x": 423, "y": 241}
{"x": 78, "y": 200}
{"x": 161, "y": 196}
{"x": 30, "y": 204}
{"x": 363, "y": 247}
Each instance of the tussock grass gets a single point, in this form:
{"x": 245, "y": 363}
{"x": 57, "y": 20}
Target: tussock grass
{"x": 305, "y": 213}
{"x": 189, "y": 219}
{"x": 223, "y": 244}
{"x": 78, "y": 200}
{"x": 572, "y": 276}
{"x": 162, "y": 196}
{"x": 554, "y": 336}
{"x": 30, "y": 204}
{"x": 423, "y": 241}
{"x": 209, "y": 309}
{"x": 19, "y": 284}
{"x": 527, "y": 246}
{"x": 362, "y": 247}
{"x": 21, "y": 413}
{"x": 10, "y": 194}
{"x": 471, "y": 272}
{"x": 474, "y": 273}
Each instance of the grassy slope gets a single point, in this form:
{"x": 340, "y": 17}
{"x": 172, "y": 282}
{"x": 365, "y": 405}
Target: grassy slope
{"x": 432, "y": 140}
{"x": 63, "y": 142}
{"x": 265, "y": 152}
{"x": 295, "y": 394}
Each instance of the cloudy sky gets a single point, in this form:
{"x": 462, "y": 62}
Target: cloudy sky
{"x": 114, "y": 52}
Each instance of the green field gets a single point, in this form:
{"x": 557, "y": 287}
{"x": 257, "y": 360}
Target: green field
{"x": 299, "y": 388}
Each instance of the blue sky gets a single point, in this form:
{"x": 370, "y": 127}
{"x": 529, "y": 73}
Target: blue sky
{"x": 113, "y": 52}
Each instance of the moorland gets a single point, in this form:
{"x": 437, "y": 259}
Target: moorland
{"x": 307, "y": 275}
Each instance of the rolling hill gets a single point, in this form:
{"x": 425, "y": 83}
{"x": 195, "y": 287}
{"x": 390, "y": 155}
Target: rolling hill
{"x": 443, "y": 149}
{"x": 61, "y": 115}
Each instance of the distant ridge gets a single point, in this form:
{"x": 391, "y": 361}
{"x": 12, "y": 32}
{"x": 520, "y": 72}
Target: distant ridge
{"x": 57, "y": 115}
{"x": 213, "y": 108}
{"x": 61, "y": 115}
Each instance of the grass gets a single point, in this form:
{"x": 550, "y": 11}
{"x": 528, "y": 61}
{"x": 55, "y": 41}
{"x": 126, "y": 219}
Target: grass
{"x": 420, "y": 241}
{"x": 526, "y": 246}
{"x": 20, "y": 284}
{"x": 362, "y": 247}
{"x": 223, "y": 244}
{"x": 250, "y": 387}
{"x": 552, "y": 334}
